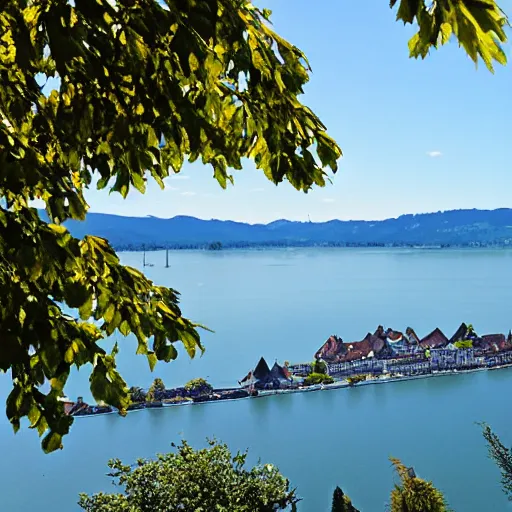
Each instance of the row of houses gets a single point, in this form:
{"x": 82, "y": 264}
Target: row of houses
{"x": 390, "y": 344}
{"x": 387, "y": 351}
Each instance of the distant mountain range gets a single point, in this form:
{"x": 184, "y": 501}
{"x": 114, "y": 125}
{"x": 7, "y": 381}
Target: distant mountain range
{"x": 450, "y": 228}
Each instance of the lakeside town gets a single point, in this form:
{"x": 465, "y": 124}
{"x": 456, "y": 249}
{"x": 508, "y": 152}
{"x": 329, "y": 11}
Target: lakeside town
{"x": 384, "y": 356}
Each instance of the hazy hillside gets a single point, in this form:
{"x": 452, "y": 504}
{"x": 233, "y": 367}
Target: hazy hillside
{"x": 457, "y": 227}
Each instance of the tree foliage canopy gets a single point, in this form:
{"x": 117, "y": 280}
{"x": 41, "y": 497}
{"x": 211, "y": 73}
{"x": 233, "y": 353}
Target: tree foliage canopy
{"x": 413, "y": 494}
{"x": 341, "y": 502}
{"x": 478, "y": 25}
{"x": 198, "y": 385}
{"x": 502, "y": 456}
{"x": 144, "y": 85}
{"x": 190, "y": 481}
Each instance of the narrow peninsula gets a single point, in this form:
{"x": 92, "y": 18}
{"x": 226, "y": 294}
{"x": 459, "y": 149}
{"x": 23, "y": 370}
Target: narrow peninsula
{"x": 386, "y": 355}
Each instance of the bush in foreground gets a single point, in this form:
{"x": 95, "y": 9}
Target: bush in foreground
{"x": 194, "y": 480}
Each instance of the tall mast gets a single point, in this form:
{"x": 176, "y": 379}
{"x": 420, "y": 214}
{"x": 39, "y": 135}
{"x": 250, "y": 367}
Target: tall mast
{"x": 143, "y": 255}
{"x": 166, "y": 258}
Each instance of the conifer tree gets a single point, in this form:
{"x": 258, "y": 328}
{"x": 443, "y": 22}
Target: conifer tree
{"x": 338, "y": 501}
{"x": 341, "y": 502}
{"x": 413, "y": 494}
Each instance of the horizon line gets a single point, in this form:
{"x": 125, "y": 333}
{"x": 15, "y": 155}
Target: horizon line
{"x": 294, "y": 221}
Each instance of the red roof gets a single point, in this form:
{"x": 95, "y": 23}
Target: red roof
{"x": 361, "y": 349}
{"x": 435, "y": 339}
{"x": 330, "y": 349}
{"x": 335, "y": 351}
{"x": 394, "y": 335}
{"x": 496, "y": 342}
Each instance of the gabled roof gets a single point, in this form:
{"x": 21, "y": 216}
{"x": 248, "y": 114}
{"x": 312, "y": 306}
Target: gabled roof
{"x": 494, "y": 342}
{"x": 435, "y": 339}
{"x": 278, "y": 372}
{"x": 394, "y": 336}
{"x": 363, "y": 348}
{"x": 330, "y": 349}
{"x": 247, "y": 378}
{"x": 463, "y": 333}
{"x": 412, "y": 336}
{"x": 494, "y": 338}
{"x": 379, "y": 332}
{"x": 262, "y": 370}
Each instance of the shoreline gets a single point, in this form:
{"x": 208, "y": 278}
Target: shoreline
{"x": 276, "y": 247}
{"x": 319, "y": 387}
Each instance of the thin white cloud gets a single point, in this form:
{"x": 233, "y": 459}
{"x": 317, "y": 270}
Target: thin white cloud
{"x": 188, "y": 193}
{"x": 179, "y": 177}
{"x": 171, "y": 189}
{"x": 258, "y": 190}
{"x": 434, "y": 154}
{"x": 328, "y": 200}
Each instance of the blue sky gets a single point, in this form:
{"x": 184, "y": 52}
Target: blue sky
{"x": 417, "y": 136}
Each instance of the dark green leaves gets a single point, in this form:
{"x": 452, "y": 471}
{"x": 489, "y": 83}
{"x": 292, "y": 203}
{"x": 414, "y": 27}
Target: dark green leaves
{"x": 479, "y": 26}
{"x": 107, "y": 385}
{"x": 42, "y": 266}
{"x": 52, "y": 442}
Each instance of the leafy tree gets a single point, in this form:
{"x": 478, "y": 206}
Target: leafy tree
{"x": 341, "y": 502}
{"x": 158, "y": 385}
{"x": 479, "y": 26}
{"x": 137, "y": 395}
{"x": 155, "y": 390}
{"x": 413, "y": 494}
{"x": 319, "y": 367}
{"x": 144, "y": 85}
{"x": 199, "y": 385}
{"x": 190, "y": 480}
{"x": 502, "y": 456}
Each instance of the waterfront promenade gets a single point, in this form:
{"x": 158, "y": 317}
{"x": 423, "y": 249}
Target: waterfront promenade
{"x": 231, "y": 394}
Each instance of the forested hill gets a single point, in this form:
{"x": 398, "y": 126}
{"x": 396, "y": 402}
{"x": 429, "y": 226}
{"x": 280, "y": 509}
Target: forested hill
{"x": 456, "y": 227}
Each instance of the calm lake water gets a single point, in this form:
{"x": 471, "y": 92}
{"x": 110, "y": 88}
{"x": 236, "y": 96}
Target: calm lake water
{"x": 283, "y": 304}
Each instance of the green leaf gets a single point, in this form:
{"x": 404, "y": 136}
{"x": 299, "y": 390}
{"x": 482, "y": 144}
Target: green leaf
{"x": 86, "y": 308}
{"x": 193, "y": 63}
{"x": 52, "y": 442}
{"x": 139, "y": 182}
{"x": 152, "y": 360}
{"x": 58, "y": 228}
{"x": 124, "y": 328}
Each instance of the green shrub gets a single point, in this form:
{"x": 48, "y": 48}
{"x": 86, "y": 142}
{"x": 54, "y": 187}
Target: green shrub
{"x": 317, "y": 378}
{"x": 463, "y": 344}
{"x": 198, "y": 385}
{"x": 352, "y": 381}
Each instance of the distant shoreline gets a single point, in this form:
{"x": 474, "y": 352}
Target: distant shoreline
{"x": 456, "y": 228}
{"x": 273, "y": 245}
